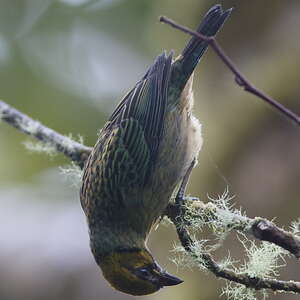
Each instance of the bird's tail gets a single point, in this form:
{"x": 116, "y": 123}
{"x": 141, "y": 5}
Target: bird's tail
{"x": 212, "y": 22}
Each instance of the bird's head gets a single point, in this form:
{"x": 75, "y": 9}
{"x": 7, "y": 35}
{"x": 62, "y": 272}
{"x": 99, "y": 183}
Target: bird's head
{"x": 135, "y": 272}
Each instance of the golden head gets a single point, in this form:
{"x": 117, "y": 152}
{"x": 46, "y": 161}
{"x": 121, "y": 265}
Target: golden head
{"x": 135, "y": 272}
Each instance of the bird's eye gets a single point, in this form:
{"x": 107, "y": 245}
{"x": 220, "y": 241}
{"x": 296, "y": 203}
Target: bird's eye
{"x": 144, "y": 272}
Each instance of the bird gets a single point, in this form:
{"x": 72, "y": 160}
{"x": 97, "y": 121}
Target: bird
{"x": 142, "y": 154}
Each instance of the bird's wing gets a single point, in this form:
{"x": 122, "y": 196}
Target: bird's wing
{"x": 128, "y": 145}
{"x": 146, "y": 103}
{"x": 139, "y": 117}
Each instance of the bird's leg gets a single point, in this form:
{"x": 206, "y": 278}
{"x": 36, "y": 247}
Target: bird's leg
{"x": 180, "y": 198}
{"x": 178, "y": 209}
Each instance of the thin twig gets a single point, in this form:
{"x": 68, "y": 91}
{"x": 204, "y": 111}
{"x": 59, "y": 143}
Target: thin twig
{"x": 240, "y": 79}
{"x": 73, "y": 150}
{"x": 265, "y": 230}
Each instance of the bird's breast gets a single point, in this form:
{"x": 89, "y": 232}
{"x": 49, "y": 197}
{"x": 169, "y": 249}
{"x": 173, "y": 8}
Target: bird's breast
{"x": 180, "y": 145}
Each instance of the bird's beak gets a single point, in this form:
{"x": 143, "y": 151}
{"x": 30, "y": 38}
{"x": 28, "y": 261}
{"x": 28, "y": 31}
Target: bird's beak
{"x": 166, "y": 279}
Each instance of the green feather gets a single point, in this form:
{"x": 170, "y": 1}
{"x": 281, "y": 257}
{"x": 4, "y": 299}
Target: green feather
{"x": 146, "y": 103}
{"x": 126, "y": 150}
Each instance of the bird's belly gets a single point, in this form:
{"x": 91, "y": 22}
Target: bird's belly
{"x": 180, "y": 145}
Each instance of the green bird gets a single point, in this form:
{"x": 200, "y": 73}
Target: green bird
{"x": 142, "y": 154}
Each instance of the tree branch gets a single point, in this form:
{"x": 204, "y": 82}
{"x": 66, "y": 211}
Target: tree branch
{"x": 73, "y": 150}
{"x": 244, "y": 279}
{"x": 181, "y": 213}
{"x": 240, "y": 79}
{"x": 260, "y": 228}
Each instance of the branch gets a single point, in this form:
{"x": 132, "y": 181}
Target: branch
{"x": 260, "y": 228}
{"x": 240, "y": 79}
{"x": 244, "y": 279}
{"x": 73, "y": 150}
{"x": 183, "y": 214}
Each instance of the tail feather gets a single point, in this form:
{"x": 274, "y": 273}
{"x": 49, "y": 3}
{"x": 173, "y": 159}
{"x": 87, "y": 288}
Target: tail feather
{"x": 212, "y": 22}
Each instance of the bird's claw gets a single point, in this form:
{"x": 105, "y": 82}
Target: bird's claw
{"x": 180, "y": 196}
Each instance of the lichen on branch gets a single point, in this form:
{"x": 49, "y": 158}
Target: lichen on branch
{"x": 70, "y": 148}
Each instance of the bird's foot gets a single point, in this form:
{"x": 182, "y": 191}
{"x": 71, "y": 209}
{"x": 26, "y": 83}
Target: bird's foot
{"x": 178, "y": 208}
{"x": 180, "y": 196}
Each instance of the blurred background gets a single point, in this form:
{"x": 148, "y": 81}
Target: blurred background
{"x": 67, "y": 63}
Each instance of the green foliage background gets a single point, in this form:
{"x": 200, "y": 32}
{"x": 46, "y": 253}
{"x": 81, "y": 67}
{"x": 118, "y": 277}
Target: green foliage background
{"x": 68, "y": 62}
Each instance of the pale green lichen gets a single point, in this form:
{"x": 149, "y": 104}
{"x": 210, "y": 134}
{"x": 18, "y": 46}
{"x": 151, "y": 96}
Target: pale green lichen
{"x": 219, "y": 215}
{"x": 32, "y": 127}
{"x": 73, "y": 173}
{"x": 68, "y": 142}
{"x": 198, "y": 250}
{"x": 40, "y": 147}
{"x": 192, "y": 259}
{"x": 181, "y": 258}
{"x": 226, "y": 217}
{"x": 227, "y": 262}
{"x": 234, "y": 291}
{"x": 262, "y": 261}
{"x": 295, "y": 227}
{"x": 223, "y": 201}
